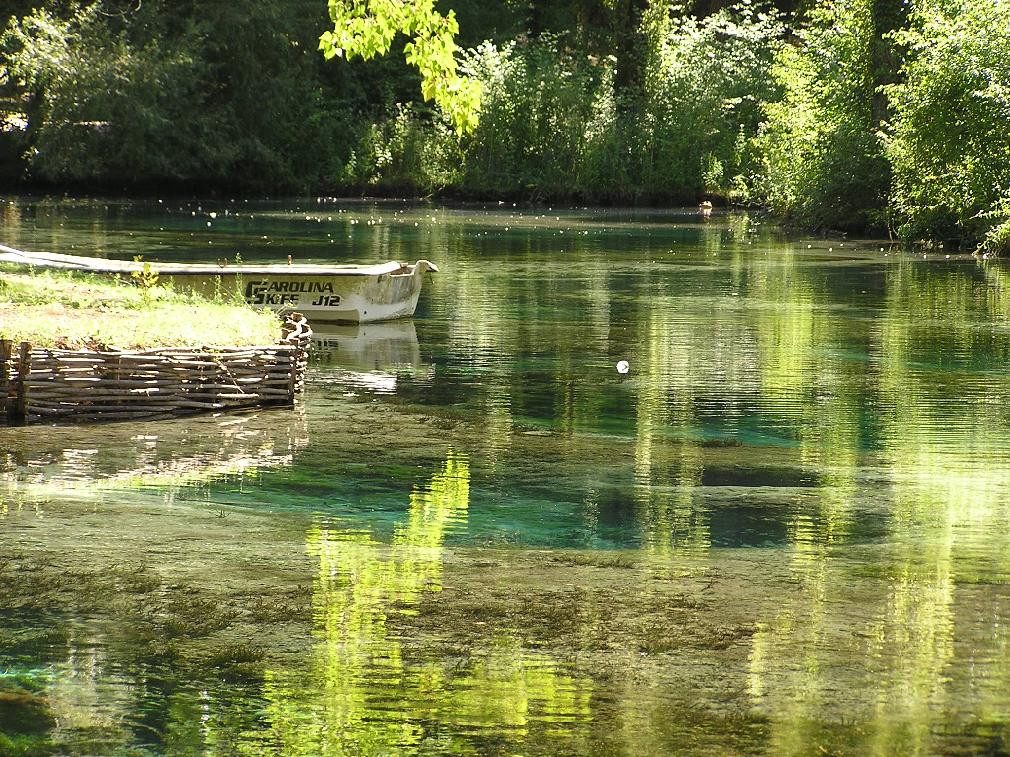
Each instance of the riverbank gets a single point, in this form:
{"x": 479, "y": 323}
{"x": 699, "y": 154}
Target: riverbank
{"x": 76, "y": 348}
{"x": 72, "y": 311}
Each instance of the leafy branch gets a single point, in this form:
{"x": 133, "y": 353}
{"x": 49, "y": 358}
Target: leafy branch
{"x": 366, "y": 28}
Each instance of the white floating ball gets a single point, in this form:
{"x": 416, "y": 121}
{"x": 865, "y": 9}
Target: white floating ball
{"x": 622, "y": 366}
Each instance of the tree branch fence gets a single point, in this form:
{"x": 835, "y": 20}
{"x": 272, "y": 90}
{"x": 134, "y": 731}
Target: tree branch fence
{"x": 51, "y": 385}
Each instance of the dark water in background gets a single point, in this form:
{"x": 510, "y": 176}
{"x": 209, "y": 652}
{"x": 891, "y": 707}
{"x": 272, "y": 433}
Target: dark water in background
{"x": 786, "y": 529}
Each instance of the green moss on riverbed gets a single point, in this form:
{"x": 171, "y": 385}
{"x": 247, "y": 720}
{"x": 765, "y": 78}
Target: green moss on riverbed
{"x": 71, "y": 310}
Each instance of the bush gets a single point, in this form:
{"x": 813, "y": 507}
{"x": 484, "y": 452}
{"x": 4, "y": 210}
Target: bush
{"x": 950, "y": 142}
{"x": 407, "y": 153}
{"x": 225, "y": 97}
{"x": 824, "y": 165}
{"x": 101, "y": 104}
{"x": 552, "y": 124}
{"x": 538, "y": 107}
{"x": 705, "y": 85}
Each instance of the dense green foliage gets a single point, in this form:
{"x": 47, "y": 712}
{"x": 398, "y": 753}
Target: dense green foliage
{"x": 950, "y": 145}
{"x": 149, "y": 93}
{"x": 824, "y": 161}
{"x": 894, "y": 115}
{"x": 838, "y": 114}
{"x": 366, "y": 28}
{"x": 555, "y": 124}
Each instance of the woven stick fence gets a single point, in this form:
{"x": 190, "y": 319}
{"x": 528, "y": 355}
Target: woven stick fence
{"x": 45, "y": 385}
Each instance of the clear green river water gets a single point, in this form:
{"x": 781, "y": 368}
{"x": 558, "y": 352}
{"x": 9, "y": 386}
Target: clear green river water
{"x": 785, "y": 530}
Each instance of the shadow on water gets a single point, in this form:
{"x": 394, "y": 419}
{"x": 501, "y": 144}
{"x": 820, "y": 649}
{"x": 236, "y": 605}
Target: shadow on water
{"x": 784, "y": 530}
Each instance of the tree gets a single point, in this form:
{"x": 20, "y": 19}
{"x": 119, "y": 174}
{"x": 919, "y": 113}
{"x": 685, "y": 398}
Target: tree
{"x": 948, "y": 142}
{"x": 631, "y": 48}
{"x": 825, "y": 165}
{"x": 95, "y": 102}
{"x": 366, "y": 28}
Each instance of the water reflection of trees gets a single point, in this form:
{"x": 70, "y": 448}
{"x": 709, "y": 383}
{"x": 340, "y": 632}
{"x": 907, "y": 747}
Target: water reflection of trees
{"x": 878, "y": 384}
{"x": 364, "y": 691}
{"x": 861, "y": 407}
{"x": 936, "y": 471}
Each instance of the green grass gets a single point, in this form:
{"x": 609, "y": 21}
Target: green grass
{"x": 72, "y": 310}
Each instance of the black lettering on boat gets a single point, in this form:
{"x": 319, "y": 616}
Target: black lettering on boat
{"x": 327, "y": 301}
{"x": 255, "y": 292}
{"x": 286, "y": 292}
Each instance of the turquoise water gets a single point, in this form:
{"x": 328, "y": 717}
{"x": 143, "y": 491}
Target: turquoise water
{"x": 784, "y": 530}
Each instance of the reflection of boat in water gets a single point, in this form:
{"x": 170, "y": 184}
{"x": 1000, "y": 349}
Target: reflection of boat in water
{"x": 368, "y": 356}
{"x": 370, "y": 347}
{"x": 348, "y": 293}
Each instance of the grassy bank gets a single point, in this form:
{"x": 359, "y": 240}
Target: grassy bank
{"x": 70, "y": 310}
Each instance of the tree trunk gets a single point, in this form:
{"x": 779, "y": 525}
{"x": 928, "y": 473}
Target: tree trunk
{"x": 888, "y": 16}
{"x": 630, "y": 48}
{"x": 703, "y": 8}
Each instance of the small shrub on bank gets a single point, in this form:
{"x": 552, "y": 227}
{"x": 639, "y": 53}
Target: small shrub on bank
{"x": 537, "y": 111}
{"x": 406, "y": 154}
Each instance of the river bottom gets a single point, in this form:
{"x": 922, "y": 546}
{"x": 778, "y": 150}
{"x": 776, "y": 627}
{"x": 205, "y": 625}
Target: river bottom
{"x": 136, "y": 627}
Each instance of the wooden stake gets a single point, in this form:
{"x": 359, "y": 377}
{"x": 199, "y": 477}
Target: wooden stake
{"x": 6, "y": 346}
{"x": 24, "y": 368}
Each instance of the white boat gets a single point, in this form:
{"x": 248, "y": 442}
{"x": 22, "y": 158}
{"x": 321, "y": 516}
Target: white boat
{"x": 343, "y": 293}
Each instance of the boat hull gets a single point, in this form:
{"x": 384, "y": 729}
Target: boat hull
{"x": 342, "y": 299}
{"x": 336, "y": 293}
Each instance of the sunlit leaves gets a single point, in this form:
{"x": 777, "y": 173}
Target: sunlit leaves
{"x": 950, "y": 142}
{"x": 367, "y": 28}
{"x": 35, "y": 48}
{"x": 824, "y": 165}
{"x": 704, "y": 85}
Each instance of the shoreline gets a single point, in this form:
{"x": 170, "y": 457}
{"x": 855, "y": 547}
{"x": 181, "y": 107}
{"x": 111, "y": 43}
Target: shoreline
{"x": 73, "y": 348}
